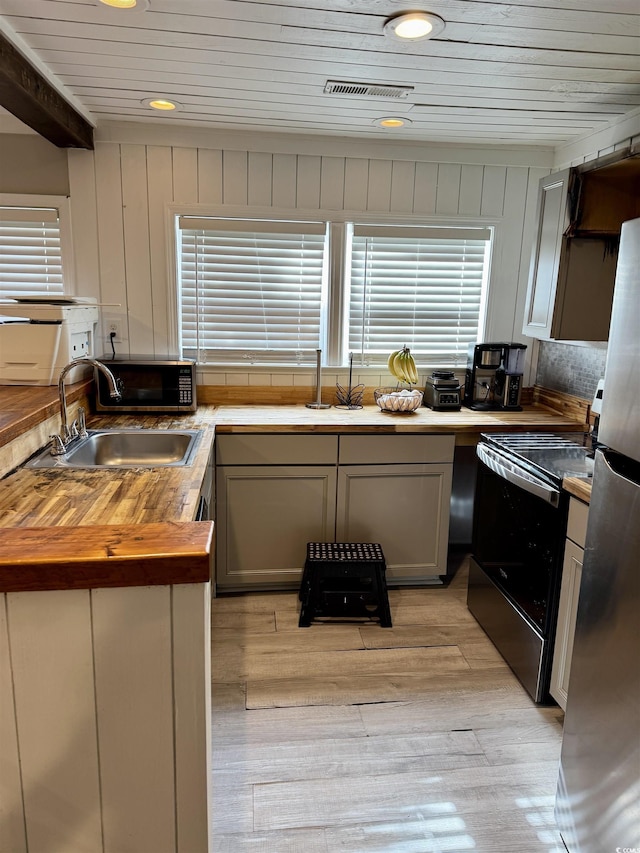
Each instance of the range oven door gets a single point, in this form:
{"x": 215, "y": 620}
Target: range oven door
{"x": 518, "y": 538}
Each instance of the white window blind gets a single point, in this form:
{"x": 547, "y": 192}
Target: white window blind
{"x": 30, "y": 252}
{"x": 251, "y": 290}
{"x": 419, "y": 286}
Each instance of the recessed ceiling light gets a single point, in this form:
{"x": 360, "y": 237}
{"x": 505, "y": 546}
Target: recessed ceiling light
{"x": 139, "y": 5}
{"x": 162, "y": 104}
{"x": 392, "y": 121}
{"x": 413, "y": 26}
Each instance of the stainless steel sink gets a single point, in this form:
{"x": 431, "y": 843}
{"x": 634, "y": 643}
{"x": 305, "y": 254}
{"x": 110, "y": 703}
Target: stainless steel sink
{"x": 124, "y": 448}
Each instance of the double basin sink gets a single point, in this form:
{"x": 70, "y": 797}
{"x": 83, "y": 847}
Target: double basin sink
{"x": 124, "y": 448}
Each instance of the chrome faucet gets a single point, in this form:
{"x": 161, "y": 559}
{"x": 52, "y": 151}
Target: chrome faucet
{"x": 59, "y": 443}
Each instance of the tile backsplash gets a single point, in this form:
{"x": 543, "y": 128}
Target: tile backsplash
{"x": 571, "y": 369}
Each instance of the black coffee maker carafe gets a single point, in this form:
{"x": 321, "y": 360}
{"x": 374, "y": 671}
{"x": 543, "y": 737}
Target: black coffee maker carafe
{"x": 494, "y": 376}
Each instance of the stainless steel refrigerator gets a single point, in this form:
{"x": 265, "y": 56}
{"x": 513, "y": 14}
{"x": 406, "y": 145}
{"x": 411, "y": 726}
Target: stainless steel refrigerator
{"x": 598, "y": 797}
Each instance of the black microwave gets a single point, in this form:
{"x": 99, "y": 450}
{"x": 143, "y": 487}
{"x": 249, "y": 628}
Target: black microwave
{"x": 147, "y": 384}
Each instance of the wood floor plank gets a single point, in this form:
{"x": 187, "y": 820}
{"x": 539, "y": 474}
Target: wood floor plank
{"x": 287, "y": 841}
{"x": 385, "y": 662}
{"x": 481, "y": 653}
{"x": 407, "y": 636}
{"x": 364, "y": 756}
{"x": 368, "y": 690}
{"x": 247, "y": 623}
{"x": 493, "y": 832}
{"x": 231, "y": 806}
{"x": 262, "y": 602}
{"x": 317, "y": 638}
{"x": 431, "y": 612}
{"x": 282, "y": 725}
{"x": 335, "y": 801}
{"x": 488, "y": 714}
{"x": 227, "y": 696}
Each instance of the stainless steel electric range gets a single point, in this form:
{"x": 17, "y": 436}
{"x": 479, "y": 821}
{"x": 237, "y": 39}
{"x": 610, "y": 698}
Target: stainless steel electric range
{"x": 519, "y": 528}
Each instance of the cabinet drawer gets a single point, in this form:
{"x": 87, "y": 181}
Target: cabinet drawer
{"x": 383, "y": 449}
{"x": 577, "y": 523}
{"x": 276, "y": 449}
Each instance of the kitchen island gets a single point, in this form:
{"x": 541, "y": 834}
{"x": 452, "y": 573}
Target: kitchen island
{"x": 104, "y": 647}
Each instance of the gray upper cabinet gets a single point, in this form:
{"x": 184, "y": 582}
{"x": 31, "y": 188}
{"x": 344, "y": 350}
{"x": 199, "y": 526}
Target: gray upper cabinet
{"x": 573, "y": 263}
{"x": 571, "y": 278}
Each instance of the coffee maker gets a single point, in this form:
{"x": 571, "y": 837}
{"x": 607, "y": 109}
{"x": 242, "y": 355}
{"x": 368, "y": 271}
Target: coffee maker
{"x": 494, "y": 377}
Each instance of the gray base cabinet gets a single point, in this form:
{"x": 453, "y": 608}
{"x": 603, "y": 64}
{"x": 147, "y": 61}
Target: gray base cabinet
{"x": 403, "y": 507}
{"x": 265, "y": 517}
{"x": 396, "y": 490}
{"x": 275, "y": 493}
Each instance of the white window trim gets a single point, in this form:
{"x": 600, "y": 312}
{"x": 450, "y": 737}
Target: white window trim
{"x": 335, "y": 217}
{"x": 63, "y": 206}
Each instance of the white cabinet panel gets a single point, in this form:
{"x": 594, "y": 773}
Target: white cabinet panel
{"x": 12, "y": 823}
{"x": 132, "y": 650}
{"x": 105, "y": 699}
{"x": 264, "y": 518}
{"x": 577, "y": 522}
{"x": 405, "y": 508}
{"x": 567, "y": 610}
{"x": 50, "y": 635}
{"x": 191, "y": 649}
{"x": 553, "y": 218}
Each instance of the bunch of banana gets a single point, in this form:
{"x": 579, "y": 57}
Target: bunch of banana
{"x": 402, "y": 365}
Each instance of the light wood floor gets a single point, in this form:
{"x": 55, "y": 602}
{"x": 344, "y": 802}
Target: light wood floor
{"x": 361, "y": 739}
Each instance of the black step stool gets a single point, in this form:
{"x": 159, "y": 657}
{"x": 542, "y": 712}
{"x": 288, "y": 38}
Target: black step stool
{"x": 344, "y": 579}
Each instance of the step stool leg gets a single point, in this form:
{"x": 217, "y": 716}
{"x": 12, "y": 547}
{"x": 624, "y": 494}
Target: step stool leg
{"x": 383, "y": 599}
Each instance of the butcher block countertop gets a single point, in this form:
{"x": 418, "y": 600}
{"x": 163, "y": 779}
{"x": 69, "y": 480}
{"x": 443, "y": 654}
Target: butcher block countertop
{"x": 578, "y": 487}
{"x": 105, "y": 556}
{"x": 97, "y": 500}
{"x": 299, "y": 419}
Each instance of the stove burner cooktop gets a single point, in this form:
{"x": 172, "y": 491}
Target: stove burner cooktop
{"x": 555, "y": 455}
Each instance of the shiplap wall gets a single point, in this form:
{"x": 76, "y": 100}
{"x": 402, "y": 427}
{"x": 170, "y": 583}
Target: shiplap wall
{"x": 120, "y": 195}
{"x": 105, "y": 720}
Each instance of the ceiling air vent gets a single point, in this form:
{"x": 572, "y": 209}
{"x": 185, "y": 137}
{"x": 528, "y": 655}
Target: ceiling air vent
{"x": 365, "y": 90}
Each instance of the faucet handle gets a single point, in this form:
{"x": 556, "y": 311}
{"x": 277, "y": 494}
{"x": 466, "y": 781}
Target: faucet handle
{"x": 57, "y": 445}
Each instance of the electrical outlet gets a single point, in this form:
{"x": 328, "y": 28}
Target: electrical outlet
{"x": 113, "y": 326}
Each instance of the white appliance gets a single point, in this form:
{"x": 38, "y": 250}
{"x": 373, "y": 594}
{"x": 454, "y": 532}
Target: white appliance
{"x": 39, "y": 337}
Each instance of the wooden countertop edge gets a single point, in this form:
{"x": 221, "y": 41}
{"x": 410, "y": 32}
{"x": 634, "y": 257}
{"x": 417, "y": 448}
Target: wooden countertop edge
{"x": 578, "y": 487}
{"x": 40, "y": 413}
{"x": 59, "y": 558}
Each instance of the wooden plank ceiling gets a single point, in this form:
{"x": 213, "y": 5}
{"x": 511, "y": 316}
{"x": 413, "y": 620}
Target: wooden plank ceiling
{"x": 518, "y": 72}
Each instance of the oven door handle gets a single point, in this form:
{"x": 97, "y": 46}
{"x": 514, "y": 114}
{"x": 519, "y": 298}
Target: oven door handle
{"x": 512, "y": 472}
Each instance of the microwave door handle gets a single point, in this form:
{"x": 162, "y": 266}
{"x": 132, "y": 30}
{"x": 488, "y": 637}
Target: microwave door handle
{"x": 516, "y": 475}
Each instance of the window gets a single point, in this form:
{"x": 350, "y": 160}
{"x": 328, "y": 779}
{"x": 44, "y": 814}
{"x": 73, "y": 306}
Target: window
{"x": 30, "y": 251}
{"x": 419, "y": 286}
{"x": 257, "y": 291}
{"x": 252, "y": 290}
